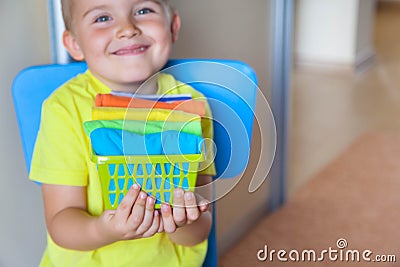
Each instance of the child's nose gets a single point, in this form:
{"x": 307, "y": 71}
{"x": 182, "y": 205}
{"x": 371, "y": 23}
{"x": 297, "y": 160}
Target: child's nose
{"x": 128, "y": 29}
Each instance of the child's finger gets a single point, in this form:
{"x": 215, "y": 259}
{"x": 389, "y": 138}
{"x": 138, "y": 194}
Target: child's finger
{"x": 179, "y": 212}
{"x": 192, "y": 211}
{"x": 202, "y": 203}
{"x": 125, "y": 207}
{"x": 161, "y": 227}
{"x": 148, "y": 216}
{"x": 137, "y": 215}
{"x": 154, "y": 226}
{"x": 168, "y": 220}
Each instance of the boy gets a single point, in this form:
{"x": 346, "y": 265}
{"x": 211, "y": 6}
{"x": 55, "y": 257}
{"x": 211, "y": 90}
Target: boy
{"x": 124, "y": 42}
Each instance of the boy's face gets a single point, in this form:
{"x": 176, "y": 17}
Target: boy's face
{"x": 124, "y": 42}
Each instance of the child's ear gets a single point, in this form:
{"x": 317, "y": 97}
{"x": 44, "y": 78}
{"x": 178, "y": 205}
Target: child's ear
{"x": 72, "y": 46}
{"x": 175, "y": 27}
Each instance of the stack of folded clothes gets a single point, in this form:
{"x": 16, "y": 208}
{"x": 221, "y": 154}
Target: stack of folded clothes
{"x": 146, "y": 125}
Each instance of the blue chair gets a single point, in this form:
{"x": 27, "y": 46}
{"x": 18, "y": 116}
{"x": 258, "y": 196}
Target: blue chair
{"x": 230, "y": 87}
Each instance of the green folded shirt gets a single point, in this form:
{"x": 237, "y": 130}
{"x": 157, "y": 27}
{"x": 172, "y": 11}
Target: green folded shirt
{"x": 144, "y": 127}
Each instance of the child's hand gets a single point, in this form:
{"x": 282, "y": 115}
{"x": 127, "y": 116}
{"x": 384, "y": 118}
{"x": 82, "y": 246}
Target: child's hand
{"x": 134, "y": 218}
{"x": 187, "y": 209}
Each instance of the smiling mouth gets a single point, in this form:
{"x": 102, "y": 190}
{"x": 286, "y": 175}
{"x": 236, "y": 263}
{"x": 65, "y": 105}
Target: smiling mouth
{"x": 134, "y": 50}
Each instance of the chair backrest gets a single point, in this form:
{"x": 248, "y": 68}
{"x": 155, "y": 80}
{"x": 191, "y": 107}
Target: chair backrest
{"x": 230, "y": 87}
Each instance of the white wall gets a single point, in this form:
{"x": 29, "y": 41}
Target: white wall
{"x": 333, "y": 32}
{"x": 24, "y": 42}
{"x": 212, "y": 30}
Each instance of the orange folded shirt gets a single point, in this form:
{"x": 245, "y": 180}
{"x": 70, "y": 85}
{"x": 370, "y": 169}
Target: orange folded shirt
{"x": 190, "y": 106}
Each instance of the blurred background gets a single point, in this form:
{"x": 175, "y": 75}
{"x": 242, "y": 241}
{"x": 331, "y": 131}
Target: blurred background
{"x": 339, "y": 81}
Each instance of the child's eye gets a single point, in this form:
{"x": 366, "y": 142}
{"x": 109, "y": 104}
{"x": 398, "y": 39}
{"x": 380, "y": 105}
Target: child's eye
{"x": 102, "y": 19}
{"x": 144, "y": 11}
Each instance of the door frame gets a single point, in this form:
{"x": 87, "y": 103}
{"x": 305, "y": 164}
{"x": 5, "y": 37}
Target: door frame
{"x": 282, "y": 45}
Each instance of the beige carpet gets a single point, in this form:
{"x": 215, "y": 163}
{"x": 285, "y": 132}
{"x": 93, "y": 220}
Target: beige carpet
{"x": 356, "y": 197}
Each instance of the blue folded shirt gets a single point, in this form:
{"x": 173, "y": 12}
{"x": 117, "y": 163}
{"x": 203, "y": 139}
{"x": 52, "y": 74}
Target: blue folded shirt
{"x": 112, "y": 142}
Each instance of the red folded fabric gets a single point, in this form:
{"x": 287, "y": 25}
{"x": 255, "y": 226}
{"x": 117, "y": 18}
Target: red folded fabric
{"x": 190, "y": 106}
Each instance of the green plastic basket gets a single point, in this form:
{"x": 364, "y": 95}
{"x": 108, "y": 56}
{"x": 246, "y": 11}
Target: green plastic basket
{"x": 158, "y": 175}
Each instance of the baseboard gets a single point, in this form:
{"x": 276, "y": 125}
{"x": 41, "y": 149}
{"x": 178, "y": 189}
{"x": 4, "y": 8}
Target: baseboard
{"x": 323, "y": 66}
{"x": 364, "y": 59}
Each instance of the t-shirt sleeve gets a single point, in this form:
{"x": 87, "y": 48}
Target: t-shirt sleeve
{"x": 59, "y": 155}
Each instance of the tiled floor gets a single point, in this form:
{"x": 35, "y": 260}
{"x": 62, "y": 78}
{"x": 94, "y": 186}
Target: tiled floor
{"x": 330, "y": 110}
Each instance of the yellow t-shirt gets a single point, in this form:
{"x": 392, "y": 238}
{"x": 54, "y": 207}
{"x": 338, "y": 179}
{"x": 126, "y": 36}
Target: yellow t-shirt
{"x": 61, "y": 156}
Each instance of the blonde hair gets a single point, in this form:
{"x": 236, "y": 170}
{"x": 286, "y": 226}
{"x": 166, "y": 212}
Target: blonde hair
{"x": 67, "y": 5}
{"x": 66, "y": 8}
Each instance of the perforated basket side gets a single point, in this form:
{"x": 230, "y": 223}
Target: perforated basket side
{"x": 157, "y": 175}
